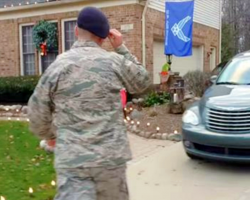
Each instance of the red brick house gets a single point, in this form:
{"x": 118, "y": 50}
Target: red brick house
{"x": 141, "y": 21}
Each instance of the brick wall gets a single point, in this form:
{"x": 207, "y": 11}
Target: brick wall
{"x": 122, "y": 15}
{"x": 208, "y": 37}
{"x": 9, "y": 45}
{"x": 119, "y": 15}
{"x": 9, "y": 36}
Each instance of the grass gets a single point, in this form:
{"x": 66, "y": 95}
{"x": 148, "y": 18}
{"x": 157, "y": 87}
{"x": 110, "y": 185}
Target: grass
{"x": 23, "y": 164}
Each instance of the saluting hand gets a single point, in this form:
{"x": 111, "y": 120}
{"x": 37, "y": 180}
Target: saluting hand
{"x": 115, "y": 38}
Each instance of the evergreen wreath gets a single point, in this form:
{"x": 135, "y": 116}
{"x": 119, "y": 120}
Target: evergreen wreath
{"x": 45, "y": 32}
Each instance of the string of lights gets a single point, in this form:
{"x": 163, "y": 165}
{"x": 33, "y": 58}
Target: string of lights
{"x": 137, "y": 123}
{"x": 30, "y": 191}
{"x": 25, "y": 3}
{"x": 127, "y": 120}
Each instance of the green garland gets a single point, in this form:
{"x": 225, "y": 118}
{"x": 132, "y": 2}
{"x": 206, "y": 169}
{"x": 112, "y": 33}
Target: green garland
{"x": 45, "y": 31}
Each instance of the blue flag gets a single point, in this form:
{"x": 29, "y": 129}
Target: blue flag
{"x": 179, "y": 28}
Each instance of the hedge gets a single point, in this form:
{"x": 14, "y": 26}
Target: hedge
{"x": 17, "y": 89}
{"x": 197, "y": 82}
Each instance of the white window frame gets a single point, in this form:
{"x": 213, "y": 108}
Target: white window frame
{"x": 63, "y": 31}
{"x": 39, "y": 55}
{"x": 21, "y": 44}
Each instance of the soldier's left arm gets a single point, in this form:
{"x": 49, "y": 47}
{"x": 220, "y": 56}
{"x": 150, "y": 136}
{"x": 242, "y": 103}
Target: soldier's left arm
{"x": 41, "y": 106}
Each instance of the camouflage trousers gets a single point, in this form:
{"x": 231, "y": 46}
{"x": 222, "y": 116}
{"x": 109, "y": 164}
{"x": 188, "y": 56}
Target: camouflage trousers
{"x": 92, "y": 184}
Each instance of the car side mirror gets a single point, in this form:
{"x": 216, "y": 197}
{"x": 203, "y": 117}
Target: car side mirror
{"x": 213, "y": 79}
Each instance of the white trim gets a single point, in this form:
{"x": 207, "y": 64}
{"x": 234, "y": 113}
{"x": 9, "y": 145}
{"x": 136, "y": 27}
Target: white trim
{"x": 212, "y": 58}
{"x": 58, "y": 7}
{"x": 202, "y": 67}
{"x": 144, "y": 34}
{"x": 199, "y": 17}
{"x": 39, "y": 55}
{"x": 63, "y": 31}
{"x": 21, "y": 45}
{"x": 220, "y": 45}
{"x": 40, "y": 63}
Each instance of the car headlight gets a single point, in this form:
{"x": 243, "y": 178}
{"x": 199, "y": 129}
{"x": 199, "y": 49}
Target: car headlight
{"x": 189, "y": 117}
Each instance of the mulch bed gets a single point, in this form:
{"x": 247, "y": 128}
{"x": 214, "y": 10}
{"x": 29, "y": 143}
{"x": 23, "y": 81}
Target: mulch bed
{"x": 159, "y": 117}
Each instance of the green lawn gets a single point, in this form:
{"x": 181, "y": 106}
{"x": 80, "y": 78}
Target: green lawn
{"x": 23, "y": 164}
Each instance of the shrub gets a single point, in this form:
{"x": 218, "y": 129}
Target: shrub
{"x": 197, "y": 82}
{"x": 17, "y": 89}
{"x": 152, "y": 88}
{"x": 155, "y": 98}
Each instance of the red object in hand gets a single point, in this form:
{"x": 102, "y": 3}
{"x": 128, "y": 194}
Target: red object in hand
{"x": 123, "y": 94}
{"x": 51, "y": 143}
{"x": 43, "y": 47}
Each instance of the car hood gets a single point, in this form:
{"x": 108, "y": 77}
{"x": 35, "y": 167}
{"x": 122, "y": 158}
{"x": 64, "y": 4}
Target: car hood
{"x": 227, "y": 97}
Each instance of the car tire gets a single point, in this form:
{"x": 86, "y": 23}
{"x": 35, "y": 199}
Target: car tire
{"x": 193, "y": 157}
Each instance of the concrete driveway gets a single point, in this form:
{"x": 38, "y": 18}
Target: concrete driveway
{"x": 170, "y": 175}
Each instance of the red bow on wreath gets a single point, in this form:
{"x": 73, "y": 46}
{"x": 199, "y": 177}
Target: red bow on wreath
{"x": 43, "y": 47}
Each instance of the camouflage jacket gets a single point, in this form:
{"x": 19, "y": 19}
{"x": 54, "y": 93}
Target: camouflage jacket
{"x": 77, "y": 101}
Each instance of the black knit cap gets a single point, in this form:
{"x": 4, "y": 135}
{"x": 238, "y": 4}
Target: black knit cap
{"x": 94, "y": 21}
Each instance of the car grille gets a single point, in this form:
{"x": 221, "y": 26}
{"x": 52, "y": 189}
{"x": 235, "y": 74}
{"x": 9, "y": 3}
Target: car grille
{"x": 222, "y": 150}
{"x": 228, "y": 121}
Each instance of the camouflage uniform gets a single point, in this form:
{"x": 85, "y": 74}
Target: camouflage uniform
{"x": 92, "y": 183}
{"x": 77, "y": 101}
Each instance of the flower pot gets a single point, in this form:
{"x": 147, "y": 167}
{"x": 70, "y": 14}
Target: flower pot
{"x": 164, "y": 77}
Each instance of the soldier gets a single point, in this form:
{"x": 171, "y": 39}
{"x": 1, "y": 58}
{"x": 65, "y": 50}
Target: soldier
{"x": 77, "y": 102}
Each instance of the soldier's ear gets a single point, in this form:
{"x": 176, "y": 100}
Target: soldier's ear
{"x": 76, "y": 31}
{"x": 100, "y": 41}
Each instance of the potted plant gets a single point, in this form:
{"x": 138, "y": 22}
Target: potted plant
{"x": 164, "y": 74}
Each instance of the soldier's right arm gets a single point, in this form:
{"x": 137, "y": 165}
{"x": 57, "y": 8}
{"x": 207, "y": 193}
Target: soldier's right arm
{"x": 134, "y": 76}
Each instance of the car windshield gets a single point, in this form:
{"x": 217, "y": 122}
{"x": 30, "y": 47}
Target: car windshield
{"x": 237, "y": 72}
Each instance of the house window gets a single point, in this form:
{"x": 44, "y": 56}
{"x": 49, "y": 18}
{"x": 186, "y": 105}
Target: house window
{"x": 69, "y": 34}
{"x": 28, "y": 48}
{"x": 49, "y": 58}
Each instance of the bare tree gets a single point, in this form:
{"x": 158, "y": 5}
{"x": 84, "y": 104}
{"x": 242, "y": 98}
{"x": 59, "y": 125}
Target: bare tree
{"x": 236, "y": 27}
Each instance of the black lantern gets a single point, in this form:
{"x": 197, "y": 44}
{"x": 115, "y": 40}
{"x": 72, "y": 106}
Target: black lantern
{"x": 169, "y": 60}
